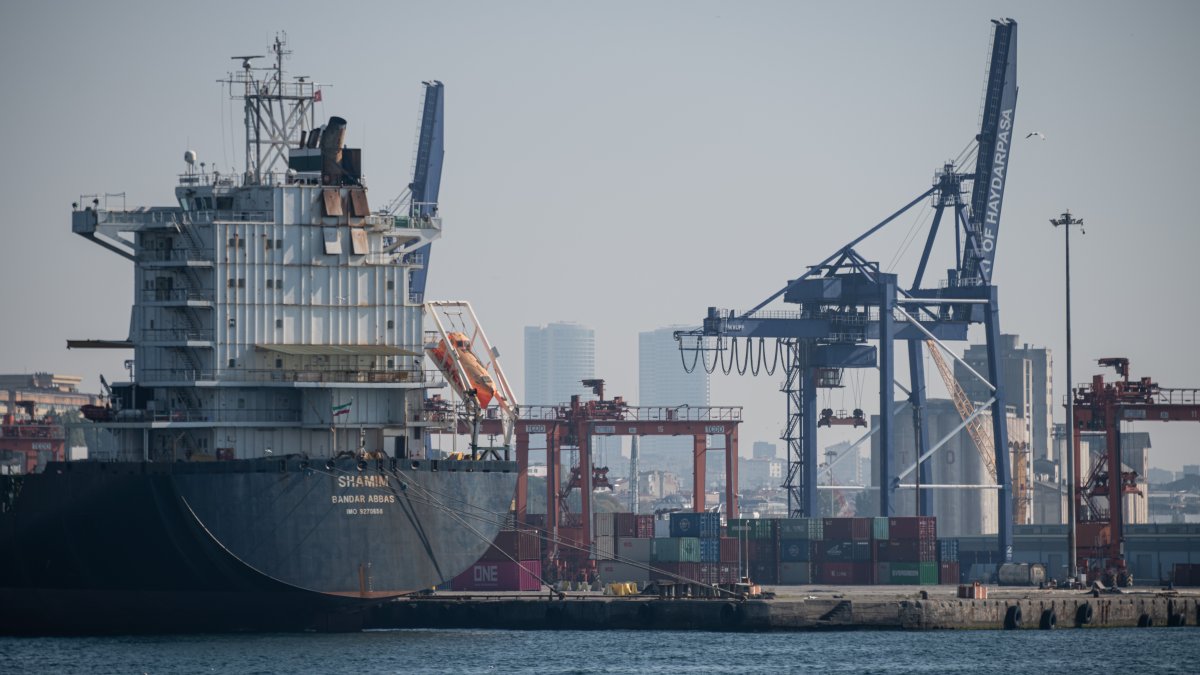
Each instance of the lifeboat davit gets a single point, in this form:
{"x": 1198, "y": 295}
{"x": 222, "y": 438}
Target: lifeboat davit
{"x": 478, "y": 379}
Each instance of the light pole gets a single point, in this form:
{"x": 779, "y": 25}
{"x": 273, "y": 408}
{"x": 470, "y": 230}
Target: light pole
{"x": 1066, "y": 221}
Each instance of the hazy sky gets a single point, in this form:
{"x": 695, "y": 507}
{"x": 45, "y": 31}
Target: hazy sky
{"x": 628, "y": 164}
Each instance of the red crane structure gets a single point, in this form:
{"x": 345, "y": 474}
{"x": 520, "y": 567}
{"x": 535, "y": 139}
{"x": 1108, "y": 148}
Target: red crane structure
{"x": 1100, "y": 492}
{"x": 575, "y": 424}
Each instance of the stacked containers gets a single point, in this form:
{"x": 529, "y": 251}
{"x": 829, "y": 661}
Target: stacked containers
{"x": 949, "y": 570}
{"x": 844, "y": 556}
{"x": 604, "y": 543}
{"x": 632, "y": 562}
{"x": 706, "y": 529}
{"x": 760, "y": 539}
{"x": 511, "y": 563}
{"x": 909, "y": 555}
{"x": 797, "y": 539}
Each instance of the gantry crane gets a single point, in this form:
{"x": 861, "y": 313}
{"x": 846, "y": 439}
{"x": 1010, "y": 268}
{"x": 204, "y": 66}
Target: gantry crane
{"x": 1101, "y": 486}
{"x": 846, "y": 300}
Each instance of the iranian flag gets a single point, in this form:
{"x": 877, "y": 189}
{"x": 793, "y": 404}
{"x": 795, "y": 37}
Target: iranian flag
{"x": 343, "y": 409}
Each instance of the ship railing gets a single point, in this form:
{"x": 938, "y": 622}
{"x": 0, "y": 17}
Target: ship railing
{"x": 264, "y": 415}
{"x": 162, "y": 334}
{"x": 208, "y": 216}
{"x": 681, "y": 413}
{"x": 174, "y": 255}
{"x": 366, "y": 376}
{"x": 158, "y": 216}
{"x": 32, "y": 431}
{"x": 417, "y": 222}
{"x": 176, "y": 295}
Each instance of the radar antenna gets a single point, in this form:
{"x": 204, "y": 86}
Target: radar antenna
{"x": 277, "y": 111}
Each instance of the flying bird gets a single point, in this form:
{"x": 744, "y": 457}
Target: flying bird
{"x": 1036, "y": 133}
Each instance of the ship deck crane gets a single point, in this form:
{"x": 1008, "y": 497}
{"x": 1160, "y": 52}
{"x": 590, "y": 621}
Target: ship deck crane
{"x": 845, "y": 301}
{"x": 1101, "y": 407}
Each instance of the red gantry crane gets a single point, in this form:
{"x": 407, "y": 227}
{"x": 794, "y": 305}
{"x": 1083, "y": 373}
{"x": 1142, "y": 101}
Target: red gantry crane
{"x": 1101, "y": 488}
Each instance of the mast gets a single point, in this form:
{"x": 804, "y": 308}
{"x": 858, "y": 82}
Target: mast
{"x": 277, "y": 112}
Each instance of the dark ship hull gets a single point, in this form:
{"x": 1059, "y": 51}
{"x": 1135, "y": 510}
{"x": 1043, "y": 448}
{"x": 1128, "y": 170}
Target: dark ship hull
{"x": 273, "y": 544}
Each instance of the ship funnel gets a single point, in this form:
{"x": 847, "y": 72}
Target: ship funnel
{"x": 332, "y": 138}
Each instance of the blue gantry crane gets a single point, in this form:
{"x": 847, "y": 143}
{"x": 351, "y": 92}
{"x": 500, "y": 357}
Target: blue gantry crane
{"x": 846, "y": 302}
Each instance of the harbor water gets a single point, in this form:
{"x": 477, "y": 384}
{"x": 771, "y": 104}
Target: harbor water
{"x": 1159, "y": 650}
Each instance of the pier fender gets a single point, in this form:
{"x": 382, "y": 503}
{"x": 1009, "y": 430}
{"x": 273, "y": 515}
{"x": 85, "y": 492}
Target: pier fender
{"x": 646, "y": 613}
{"x": 1084, "y": 614}
{"x": 731, "y": 614}
{"x": 1049, "y": 619}
{"x": 1145, "y": 621}
{"x": 1012, "y": 617}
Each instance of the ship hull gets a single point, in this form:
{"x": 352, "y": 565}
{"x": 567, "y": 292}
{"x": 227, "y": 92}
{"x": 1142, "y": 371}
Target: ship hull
{"x": 286, "y": 544}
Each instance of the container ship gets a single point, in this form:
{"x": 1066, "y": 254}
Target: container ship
{"x": 273, "y": 469}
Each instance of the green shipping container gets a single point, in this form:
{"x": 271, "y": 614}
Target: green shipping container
{"x": 802, "y": 529}
{"x": 912, "y": 573}
{"x": 676, "y": 549}
{"x": 879, "y": 529}
{"x": 752, "y": 528}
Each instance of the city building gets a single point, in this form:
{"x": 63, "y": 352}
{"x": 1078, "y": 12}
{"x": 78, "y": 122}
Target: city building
{"x": 662, "y": 381}
{"x": 558, "y": 357}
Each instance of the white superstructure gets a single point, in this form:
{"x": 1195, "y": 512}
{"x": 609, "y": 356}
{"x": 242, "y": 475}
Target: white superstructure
{"x": 266, "y": 302}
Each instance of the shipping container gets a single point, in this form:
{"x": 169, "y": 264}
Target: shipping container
{"x": 662, "y": 528}
{"x": 675, "y": 549}
{"x": 514, "y": 545}
{"x": 709, "y": 573}
{"x": 762, "y": 549}
{"x": 710, "y": 550}
{"x": 729, "y": 573}
{"x": 633, "y": 549}
{"x": 907, "y": 573}
{"x": 809, "y": 529}
{"x": 949, "y": 573}
{"x": 604, "y": 524}
{"x": 947, "y": 550}
{"x": 764, "y": 571}
{"x": 879, "y": 529}
{"x": 839, "y": 529}
{"x": 841, "y": 551}
{"x": 645, "y": 527}
{"x": 604, "y": 548}
{"x": 703, "y": 525}
{"x": 617, "y": 572}
{"x": 500, "y": 575}
{"x": 912, "y": 527}
{"x": 625, "y": 525}
{"x": 675, "y": 571}
{"x": 845, "y": 573}
{"x": 753, "y": 528}
{"x": 796, "y": 550}
{"x": 1186, "y": 574}
{"x": 730, "y": 550}
{"x": 573, "y": 519}
{"x": 795, "y": 573}
{"x": 906, "y": 550}
{"x": 535, "y": 520}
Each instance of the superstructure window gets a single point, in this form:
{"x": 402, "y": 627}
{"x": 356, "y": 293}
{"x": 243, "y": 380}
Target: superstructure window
{"x": 391, "y": 324}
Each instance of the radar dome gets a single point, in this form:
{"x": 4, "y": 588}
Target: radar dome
{"x": 190, "y": 157}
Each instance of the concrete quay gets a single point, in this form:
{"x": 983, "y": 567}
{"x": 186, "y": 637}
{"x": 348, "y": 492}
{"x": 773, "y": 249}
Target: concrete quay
{"x": 797, "y": 608}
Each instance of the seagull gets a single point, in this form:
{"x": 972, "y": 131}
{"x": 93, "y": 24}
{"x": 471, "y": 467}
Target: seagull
{"x": 1036, "y": 133}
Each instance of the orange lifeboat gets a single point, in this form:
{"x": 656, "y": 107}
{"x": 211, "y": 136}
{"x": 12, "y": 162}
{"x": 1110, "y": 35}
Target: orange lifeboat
{"x": 478, "y": 379}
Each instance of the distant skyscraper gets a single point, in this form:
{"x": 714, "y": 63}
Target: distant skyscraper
{"x": 662, "y": 381}
{"x": 557, "y": 358}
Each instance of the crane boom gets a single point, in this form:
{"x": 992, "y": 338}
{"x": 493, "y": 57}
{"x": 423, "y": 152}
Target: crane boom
{"x": 976, "y": 427}
{"x": 991, "y": 166}
{"x": 427, "y": 172}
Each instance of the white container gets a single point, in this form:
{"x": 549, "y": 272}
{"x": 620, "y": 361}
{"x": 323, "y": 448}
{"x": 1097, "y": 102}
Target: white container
{"x": 633, "y": 549}
{"x": 604, "y": 548}
{"x": 605, "y": 524}
{"x": 617, "y": 572}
